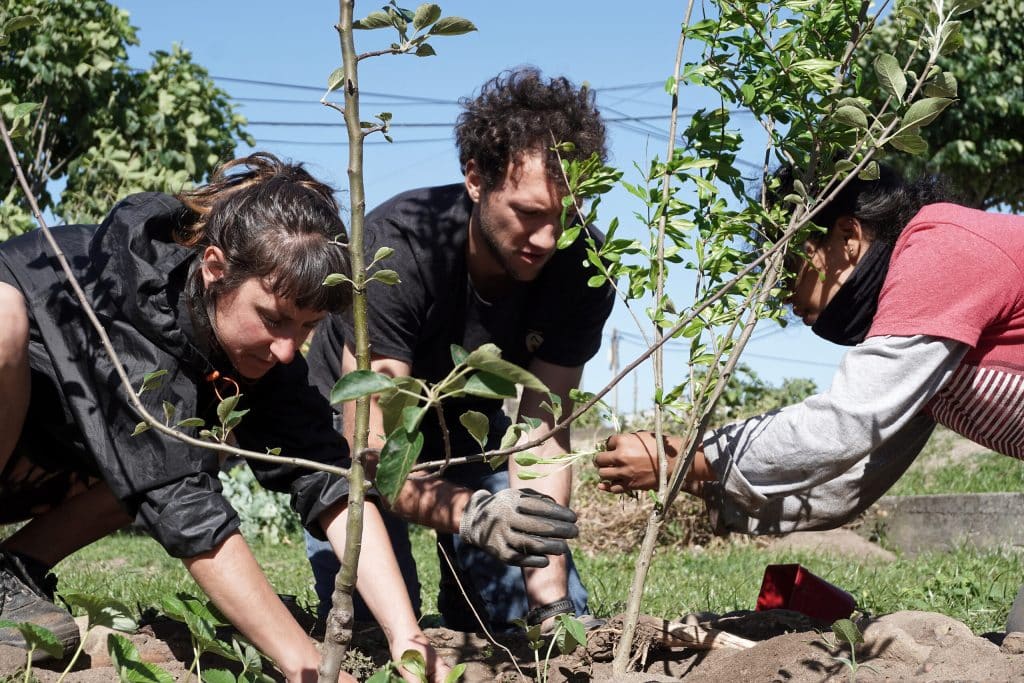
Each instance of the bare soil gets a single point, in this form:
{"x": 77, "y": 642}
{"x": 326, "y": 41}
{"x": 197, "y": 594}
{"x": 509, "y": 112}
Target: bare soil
{"x": 919, "y": 646}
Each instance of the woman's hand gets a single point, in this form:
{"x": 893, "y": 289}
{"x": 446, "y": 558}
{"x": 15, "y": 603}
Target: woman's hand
{"x": 437, "y": 668}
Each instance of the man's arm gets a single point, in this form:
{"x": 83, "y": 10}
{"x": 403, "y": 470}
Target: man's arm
{"x": 429, "y": 501}
{"x": 545, "y": 585}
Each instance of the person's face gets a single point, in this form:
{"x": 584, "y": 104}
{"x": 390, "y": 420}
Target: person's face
{"x": 830, "y": 262}
{"x": 256, "y": 328}
{"x": 515, "y": 226}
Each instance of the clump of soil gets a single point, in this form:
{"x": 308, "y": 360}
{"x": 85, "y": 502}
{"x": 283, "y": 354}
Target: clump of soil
{"x": 919, "y": 646}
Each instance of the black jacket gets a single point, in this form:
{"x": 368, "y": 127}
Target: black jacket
{"x": 134, "y": 274}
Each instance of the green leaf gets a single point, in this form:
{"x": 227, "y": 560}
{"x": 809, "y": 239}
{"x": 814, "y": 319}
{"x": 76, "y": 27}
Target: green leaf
{"x": 218, "y": 676}
{"x": 456, "y": 673}
{"x": 851, "y": 117}
{"x": 413, "y": 662}
{"x": 226, "y": 407}
{"x": 104, "y": 611}
{"x": 847, "y": 631}
{"x": 890, "y": 76}
{"x": 485, "y": 359}
{"x": 452, "y": 26}
{"x": 191, "y": 422}
{"x": 130, "y": 669}
{"x": 393, "y": 403}
{"x": 17, "y": 23}
{"x": 141, "y": 427}
{"x": 336, "y": 78}
{"x": 526, "y": 459}
{"x": 426, "y": 14}
{"x": 381, "y": 254}
{"x": 486, "y": 385}
{"x": 911, "y": 143}
{"x": 815, "y": 65}
{"x": 388, "y": 277}
{"x": 358, "y": 384}
{"x": 923, "y": 112}
{"x": 335, "y": 279}
{"x": 553, "y": 405}
{"x": 373, "y": 20}
{"x": 570, "y": 634}
{"x": 396, "y": 460}
{"x": 169, "y": 411}
{"x": 425, "y": 50}
{"x": 412, "y": 416}
{"x": 477, "y": 424}
{"x": 943, "y": 85}
{"x": 152, "y": 380}
{"x": 24, "y": 109}
{"x": 37, "y": 637}
{"x": 870, "y": 172}
{"x": 459, "y": 354}
{"x": 382, "y": 675}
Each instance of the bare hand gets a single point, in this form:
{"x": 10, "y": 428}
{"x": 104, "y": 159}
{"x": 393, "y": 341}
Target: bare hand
{"x": 630, "y": 462}
{"x": 437, "y": 668}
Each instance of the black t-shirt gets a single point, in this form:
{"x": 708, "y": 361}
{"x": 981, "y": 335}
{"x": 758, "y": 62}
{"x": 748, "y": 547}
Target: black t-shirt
{"x": 556, "y": 318}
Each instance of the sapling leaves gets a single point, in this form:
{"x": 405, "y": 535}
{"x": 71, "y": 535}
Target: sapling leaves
{"x": 393, "y": 402}
{"x": 570, "y": 634}
{"x": 425, "y": 15}
{"x": 129, "y": 665}
{"x": 152, "y": 380}
{"x": 396, "y": 460}
{"x": 358, "y": 384}
{"x": 890, "y": 76}
{"x": 452, "y": 26}
{"x": 488, "y": 359}
{"x": 486, "y": 385}
{"x": 922, "y": 112}
{"x": 36, "y": 637}
{"x": 477, "y": 424}
{"x": 104, "y": 611}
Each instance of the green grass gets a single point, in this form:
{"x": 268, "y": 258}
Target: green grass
{"x": 976, "y": 470}
{"x": 974, "y": 587}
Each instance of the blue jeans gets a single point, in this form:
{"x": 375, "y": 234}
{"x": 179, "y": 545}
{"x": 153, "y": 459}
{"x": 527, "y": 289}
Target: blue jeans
{"x": 495, "y": 590}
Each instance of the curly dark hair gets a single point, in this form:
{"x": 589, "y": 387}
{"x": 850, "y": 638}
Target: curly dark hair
{"x": 517, "y": 111}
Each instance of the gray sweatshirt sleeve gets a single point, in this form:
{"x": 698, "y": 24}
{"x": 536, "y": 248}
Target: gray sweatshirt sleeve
{"x": 817, "y": 463}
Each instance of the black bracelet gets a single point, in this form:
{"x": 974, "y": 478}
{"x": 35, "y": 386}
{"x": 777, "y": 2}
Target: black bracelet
{"x": 537, "y": 615}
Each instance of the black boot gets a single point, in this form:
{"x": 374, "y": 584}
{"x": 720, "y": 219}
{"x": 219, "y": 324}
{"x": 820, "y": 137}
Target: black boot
{"x": 26, "y": 595}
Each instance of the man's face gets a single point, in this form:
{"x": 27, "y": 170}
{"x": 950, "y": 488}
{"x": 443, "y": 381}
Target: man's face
{"x": 255, "y": 327}
{"x": 516, "y": 225}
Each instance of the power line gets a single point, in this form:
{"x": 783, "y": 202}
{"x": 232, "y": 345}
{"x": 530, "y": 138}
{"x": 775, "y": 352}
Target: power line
{"x": 430, "y": 124}
{"x": 343, "y": 143}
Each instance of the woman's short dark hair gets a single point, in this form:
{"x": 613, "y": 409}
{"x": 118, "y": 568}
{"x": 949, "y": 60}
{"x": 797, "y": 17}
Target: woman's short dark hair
{"x": 518, "y": 112}
{"x": 273, "y": 221}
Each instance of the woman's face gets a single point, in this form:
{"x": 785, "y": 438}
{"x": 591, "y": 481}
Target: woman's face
{"x": 256, "y": 328}
{"x": 830, "y": 262}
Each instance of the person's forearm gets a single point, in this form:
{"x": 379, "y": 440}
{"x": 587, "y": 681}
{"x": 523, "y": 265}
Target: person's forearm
{"x": 432, "y": 502}
{"x": 231, "y": 577}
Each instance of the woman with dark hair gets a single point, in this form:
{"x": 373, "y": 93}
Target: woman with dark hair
{"x": 218, "y": 287}
{"x": 930, "y": 295}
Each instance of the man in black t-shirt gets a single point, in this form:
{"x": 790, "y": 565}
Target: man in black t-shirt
{"x": 478, "y": 264}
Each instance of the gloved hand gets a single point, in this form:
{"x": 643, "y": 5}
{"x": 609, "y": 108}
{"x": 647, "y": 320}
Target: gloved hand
{"x": 518, "y": 526}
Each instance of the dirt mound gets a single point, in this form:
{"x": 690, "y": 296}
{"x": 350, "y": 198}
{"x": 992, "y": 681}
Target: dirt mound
{"x": 920, "y": 646}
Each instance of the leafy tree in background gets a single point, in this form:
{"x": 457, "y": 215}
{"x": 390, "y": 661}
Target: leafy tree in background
{"x": 100, "y": 127}
{"x": 978, "y": 144}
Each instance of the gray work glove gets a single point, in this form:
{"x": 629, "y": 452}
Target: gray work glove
{"x": 518, "y": 526}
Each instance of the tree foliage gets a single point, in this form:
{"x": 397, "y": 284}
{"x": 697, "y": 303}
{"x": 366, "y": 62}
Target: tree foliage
{"x": 100, "y": 129}
{"x": 979, "y": 144}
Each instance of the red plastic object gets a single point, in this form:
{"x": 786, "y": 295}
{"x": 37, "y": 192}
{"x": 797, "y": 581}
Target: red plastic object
{"x": 790, "y": 586}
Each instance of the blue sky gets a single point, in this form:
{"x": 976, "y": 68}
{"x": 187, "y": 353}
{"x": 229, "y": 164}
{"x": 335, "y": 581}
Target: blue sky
{"x": 624, "y": 50}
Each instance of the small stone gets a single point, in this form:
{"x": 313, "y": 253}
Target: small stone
{"x": 1013, "y": 643}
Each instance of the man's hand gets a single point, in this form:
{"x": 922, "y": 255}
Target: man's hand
{"x": 518, "y": 526}
{"x": 630, "y": 462}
